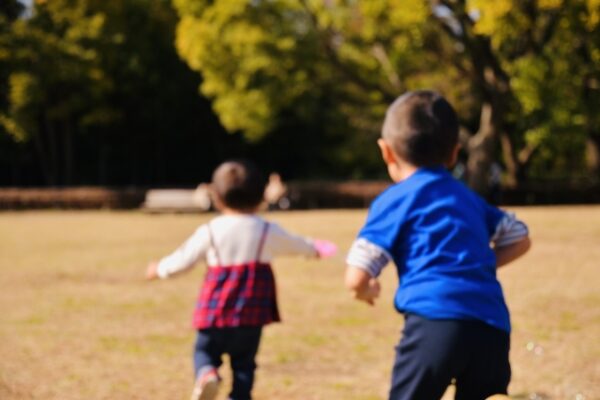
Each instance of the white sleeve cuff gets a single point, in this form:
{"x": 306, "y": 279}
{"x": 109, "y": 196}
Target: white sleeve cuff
{"x": 509, "y": 230}
{"x": 368, "y": 257}
{"x": 162, "y": 270}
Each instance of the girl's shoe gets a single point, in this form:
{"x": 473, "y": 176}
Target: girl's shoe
{"x": 206, "y": 386}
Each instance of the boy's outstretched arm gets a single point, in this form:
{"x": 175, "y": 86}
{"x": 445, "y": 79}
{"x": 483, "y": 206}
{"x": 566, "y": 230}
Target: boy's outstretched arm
{"x": 365, "y": 262}
{"x": 362, "y": 284}
{"x": 508, "y": 253}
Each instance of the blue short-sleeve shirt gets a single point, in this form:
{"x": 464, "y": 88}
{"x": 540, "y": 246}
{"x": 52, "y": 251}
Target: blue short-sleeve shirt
{"x": 438, "y": 233}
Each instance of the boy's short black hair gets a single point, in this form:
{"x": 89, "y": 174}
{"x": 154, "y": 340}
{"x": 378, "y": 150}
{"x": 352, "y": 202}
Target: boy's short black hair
{"x": 422, "y": 128}
{"x": 239, "y": 185}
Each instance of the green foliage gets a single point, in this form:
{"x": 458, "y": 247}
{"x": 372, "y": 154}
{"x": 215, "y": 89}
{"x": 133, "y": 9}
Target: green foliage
{"x": 10, "y": 10}
{"x": 52, "y": 59}
{"x": 308, "y": 77}
{"x": 249, "y": 55}
{"x": 260, "y": 59}
{"x": 263, "y": 61}
{"x": 547, "y": 49}
{"x": 24, "y": 90}
{"x": 95, "y": 85}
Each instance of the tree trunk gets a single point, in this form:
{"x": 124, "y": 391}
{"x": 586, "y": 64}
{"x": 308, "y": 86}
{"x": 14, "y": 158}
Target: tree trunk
{"x": 53, "y": 172}
{"x": 68, "y": 154}
{"x": 592, "y": 155}
{"x": 15, "y": 159}
{"x": 511, "y": 162}
{"x": 160, "y": 175}
{"x": 481, "y": 149}
{"x": 42, "y": 153}
{"x": 103, "y": 155}
{"x": 493, "y": 84}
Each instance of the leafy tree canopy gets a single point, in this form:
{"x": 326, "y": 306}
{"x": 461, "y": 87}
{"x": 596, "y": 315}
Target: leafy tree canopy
{"x": 523, "y": 74}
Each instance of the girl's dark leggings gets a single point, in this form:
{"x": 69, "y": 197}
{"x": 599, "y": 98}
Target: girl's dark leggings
{"x": 241, "y": 344}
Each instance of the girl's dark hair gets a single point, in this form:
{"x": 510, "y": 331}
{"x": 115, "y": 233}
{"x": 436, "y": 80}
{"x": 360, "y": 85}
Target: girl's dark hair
{"x": 239, "y": 185}
{"x": 422, "y": 128}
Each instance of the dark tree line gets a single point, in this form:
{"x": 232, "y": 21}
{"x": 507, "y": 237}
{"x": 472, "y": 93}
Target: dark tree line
{"x": 93, "y": 92}
{"x": 158, "y": 92}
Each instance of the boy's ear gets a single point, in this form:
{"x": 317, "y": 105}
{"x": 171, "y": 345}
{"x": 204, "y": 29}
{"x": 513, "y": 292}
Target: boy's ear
{"x": 386, "y": 152}
{"x": 454, "y": 156}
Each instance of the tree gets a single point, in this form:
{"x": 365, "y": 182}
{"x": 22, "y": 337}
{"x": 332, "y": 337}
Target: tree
{"x": 9, "y": 11}
{"x": 508, "y": 66}
{"x": 52, "y": 60}
{"x": 97, "y": 94}
{"x": 268, "y": 62}
{"x": 530, "y": 79}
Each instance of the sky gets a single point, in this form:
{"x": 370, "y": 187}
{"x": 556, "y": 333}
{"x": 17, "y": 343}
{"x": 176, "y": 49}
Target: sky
{"x": 28, "y": 4}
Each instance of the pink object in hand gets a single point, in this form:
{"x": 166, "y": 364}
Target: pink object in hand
{"x": 325, "y": 248}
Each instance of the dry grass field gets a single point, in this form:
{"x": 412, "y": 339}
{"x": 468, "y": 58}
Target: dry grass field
{"x": 77, "y": 321}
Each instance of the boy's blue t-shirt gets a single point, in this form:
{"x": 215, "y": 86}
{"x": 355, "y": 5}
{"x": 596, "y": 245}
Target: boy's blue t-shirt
{"x": 438, "y": 233}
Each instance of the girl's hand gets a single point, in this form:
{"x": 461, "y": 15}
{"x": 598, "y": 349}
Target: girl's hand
{"x": 325, "y": 248}
{"x": 152, "y": 271}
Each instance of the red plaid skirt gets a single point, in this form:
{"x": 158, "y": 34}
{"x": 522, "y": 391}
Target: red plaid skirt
{"x": 239, "y": 295}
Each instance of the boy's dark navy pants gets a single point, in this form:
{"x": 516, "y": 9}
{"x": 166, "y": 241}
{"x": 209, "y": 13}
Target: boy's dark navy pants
{"x": 241, "y": 344}
{"x": 432, "y": 353}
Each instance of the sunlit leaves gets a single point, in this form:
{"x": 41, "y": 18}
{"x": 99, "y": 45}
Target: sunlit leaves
{"x": 23, "y": 94}
{"x": 248, "y": 55}
{"x": 258, "y": 58}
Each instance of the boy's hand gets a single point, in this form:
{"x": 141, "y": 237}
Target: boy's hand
{"x": 152, "y": 271}
{"x": 369, "y": 293}
{"x": 362, "y": 285}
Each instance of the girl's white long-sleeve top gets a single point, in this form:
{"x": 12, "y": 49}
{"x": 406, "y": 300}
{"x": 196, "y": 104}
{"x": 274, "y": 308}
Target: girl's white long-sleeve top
{"x": 236, "y": 239}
